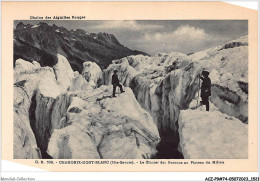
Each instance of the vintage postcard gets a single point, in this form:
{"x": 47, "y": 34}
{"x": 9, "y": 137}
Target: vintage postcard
{"x": 130, "y": 86}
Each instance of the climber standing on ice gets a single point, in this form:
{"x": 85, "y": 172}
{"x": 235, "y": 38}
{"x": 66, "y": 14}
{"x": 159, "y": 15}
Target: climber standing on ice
{"x": 205, "y": 89}
{"x": 115, "y": 83}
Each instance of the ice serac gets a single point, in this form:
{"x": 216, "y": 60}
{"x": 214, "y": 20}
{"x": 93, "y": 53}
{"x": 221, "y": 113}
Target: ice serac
{"x": 63, "y": 73}
{"x": 222, "y": 126}
{"x": 212, "y": 135}
{"x": 25, "y": 146}
{"x": 79, "y": 82}
{"x": 99, "y": 126}
{"x": 40, "y": 100}
{"x": 167, "y": 83}
{"x": 162, "y": 85}
{"x": 59, "y": 113}
{"x": 24, "y": 143}
{"x": 147, "y": 76}
{"x": 228, "y": 66}
{"x": 152, "y": 79}
{"x": 92, "y": 73}
{"x": 25, "y": 66}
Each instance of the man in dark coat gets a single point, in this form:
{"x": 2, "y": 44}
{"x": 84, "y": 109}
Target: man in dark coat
{"x": 205, "y": 89}
{"x": 115, "y": 83}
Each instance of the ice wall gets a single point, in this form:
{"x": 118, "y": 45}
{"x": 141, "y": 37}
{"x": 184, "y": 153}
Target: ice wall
{"x": 40, "y": 101}
{"x": 166, "y": 84}
{"x": 59, "y": 113}
{"x": 100, "y": 126}
{"x": 160, "y": 89}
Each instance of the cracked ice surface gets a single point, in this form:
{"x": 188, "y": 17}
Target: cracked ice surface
{"x": 99, "y": 126}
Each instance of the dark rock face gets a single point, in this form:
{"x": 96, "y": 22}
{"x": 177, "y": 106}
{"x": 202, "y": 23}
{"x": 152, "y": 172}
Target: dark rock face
{"x": 42, "y": 42}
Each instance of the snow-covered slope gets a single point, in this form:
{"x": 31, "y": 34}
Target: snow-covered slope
{"x": 212, "y": 135}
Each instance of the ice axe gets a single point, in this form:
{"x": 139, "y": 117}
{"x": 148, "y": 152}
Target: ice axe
{"x": 199, "y": 88}
{"x": 198, "y": 92}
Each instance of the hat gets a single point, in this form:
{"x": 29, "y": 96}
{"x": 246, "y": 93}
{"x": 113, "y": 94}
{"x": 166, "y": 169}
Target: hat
{"x": 115, "y": 71}
{"x": 206, "y": 73}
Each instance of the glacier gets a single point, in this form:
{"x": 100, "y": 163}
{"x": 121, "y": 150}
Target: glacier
{"x": 59, "y": 113}
{"x": 211, "y": 135}
{"x": 100, "y": 126}
{"x": 167, "y": 83}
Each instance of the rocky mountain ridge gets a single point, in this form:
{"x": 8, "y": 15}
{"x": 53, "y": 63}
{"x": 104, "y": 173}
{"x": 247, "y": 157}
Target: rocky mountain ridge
{"x": 42, "y": 42}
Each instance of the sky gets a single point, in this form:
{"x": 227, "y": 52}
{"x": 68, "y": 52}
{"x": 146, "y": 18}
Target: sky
{"x": 157, "y": 36}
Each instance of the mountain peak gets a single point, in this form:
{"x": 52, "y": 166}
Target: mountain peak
{"x": 110, "y": 38}
{"x": 19, "y": 25}
{"x": 42, "y": 42}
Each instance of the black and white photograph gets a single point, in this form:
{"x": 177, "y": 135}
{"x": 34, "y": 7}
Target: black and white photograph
{"x": 130, "y": 89}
